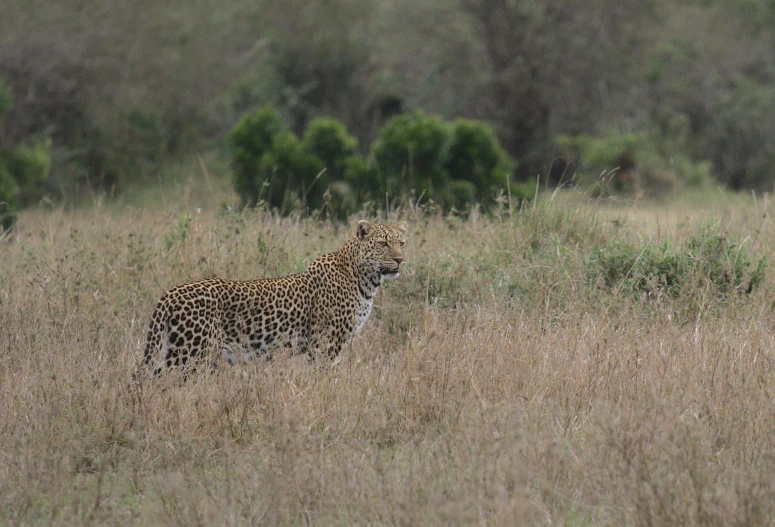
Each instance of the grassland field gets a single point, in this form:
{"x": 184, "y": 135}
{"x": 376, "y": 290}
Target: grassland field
{"x": 513, "y": 375}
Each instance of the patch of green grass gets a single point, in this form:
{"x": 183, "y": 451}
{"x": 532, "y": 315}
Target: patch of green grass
{"x": 709, "y": 266}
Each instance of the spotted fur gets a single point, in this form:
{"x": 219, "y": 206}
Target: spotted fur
{"x": 317, "y": 310}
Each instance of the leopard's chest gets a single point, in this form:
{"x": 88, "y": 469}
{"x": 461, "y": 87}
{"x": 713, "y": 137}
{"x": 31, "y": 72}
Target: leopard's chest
{"x": 362, "y": 313}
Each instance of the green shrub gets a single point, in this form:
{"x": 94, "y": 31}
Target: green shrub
{"x": 410, "y": 152}
{"x": 523, "y": 192}
{"x": 454, "y": 164}
{"x": 476, "y": 156}
{"x": 250, "y": 139}
{"x": 728, "y": 116}
{"x": 414, "y": 155}
{"x": 9, "y": 192}
{"x": 710, "y": 266}
{"x": 272, "y": 165}
{"x": 340, "y": 199}
{"x": 8, "y": 187}
{"x": 23, "y": 170}
{"x": 460, "y": 191}
{"x": 740, "y": 142}
{"x": 633, "y": 163}
{"x": 720, "y": 260}
{"x": 613, "y": 155}
{"x": 361, "y": 174}
{"x": 328, "y": 139}
{"x": 288, "y": 173}
{"x": 29, "y": 166}
{"x": 363, "y": 181}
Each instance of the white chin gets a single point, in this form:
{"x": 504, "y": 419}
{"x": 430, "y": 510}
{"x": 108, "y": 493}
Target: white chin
{"x": 391, "y": 275}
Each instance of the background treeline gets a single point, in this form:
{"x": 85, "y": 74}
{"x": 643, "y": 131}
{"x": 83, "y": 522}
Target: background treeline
{"x": 104, "y": 94}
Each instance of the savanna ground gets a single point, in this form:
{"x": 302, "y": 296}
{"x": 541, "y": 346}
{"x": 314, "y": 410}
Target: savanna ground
{"x": 507, "y": 377}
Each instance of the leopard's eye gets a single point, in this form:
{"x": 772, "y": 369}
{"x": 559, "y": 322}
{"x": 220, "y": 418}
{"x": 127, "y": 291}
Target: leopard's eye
{"x": 384, "y": 243}
{"x": 403, "y": 243}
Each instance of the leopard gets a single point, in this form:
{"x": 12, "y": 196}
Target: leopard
{"x": 314, "y": 312}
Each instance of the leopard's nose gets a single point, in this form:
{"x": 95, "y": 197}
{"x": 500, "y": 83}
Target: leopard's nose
{"x": 398, "y": 260}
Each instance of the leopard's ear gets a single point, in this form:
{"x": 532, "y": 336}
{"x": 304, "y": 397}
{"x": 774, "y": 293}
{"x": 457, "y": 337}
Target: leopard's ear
{"x": 364, "y": 228}
{"x": 402, "y": 226}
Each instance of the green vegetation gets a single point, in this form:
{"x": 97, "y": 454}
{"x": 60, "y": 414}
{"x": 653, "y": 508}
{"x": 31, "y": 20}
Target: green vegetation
{"x": 23, "y": 169}
{"x": 709, "y": 269}
{"x": 415, "y": 156}
{"x": 454, "y": 164}
{"x": 656, "y": 96}
{"x": 633, "y": 164}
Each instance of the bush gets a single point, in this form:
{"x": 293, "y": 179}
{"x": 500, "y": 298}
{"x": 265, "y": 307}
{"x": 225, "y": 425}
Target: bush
{"x": 9, "y": 191}
{"x": 523, "y": 192}
{"x": 632, "y": 163}
{"x": 29, "y": 167}
{"x": 726, "y": 98}
{"x": 454, "y": 164}
{"x": 475, "y": 156}
{"x": 711, "y": 266}
{"x": 739, "y": 142}
{"x": 23, "y": 170}
{"x": 8, "y": 187}
{"x": 250, "y": 140}
{"x": 289, "y": 173}
{"x": 328, "y": 139}
{"x": 410, "y": 152}
{"x": 271, "y": 164}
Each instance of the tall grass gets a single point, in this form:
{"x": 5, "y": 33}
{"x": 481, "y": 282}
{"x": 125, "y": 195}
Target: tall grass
{"x": 502, "y": 379}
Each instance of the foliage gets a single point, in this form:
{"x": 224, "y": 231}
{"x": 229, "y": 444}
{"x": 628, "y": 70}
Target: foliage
{"x": 250, "y": 140}
{"x": 271, "y": 164}
{"x": 328, "y": 140}
{"x": 454, "y": 164}
{"x": 9, "y": 189}
{"x": 632, "y": 163}
{"x": 475, "y": 157}
{"x": 8, "y": 192}
{"x": 116, "y": 110}
{"x": 361, "y": 173}
{"x": 23, "y": 170}
{"x": 291, "y": 174}
{"x": 709, "y": 266}
{"x": 523, "y": 192}
{"x": 322, "y": 59}
{"x": 723, "y": 98}
{"x": 29, "y": 166}
{"x": 554, "y": 67}
{"x": 410, "y": 151}
{"x": 740, "y": 141}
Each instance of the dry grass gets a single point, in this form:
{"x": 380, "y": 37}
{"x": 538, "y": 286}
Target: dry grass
{"x": 496, "y": 383}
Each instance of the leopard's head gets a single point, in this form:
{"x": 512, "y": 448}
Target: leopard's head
{"x": 381, "y": 247}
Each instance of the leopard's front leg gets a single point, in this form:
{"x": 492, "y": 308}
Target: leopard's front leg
{"x": 327, "y": 339}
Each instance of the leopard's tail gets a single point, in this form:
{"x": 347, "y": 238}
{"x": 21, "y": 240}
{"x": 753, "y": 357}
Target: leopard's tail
{"x": 154, "y": 359}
